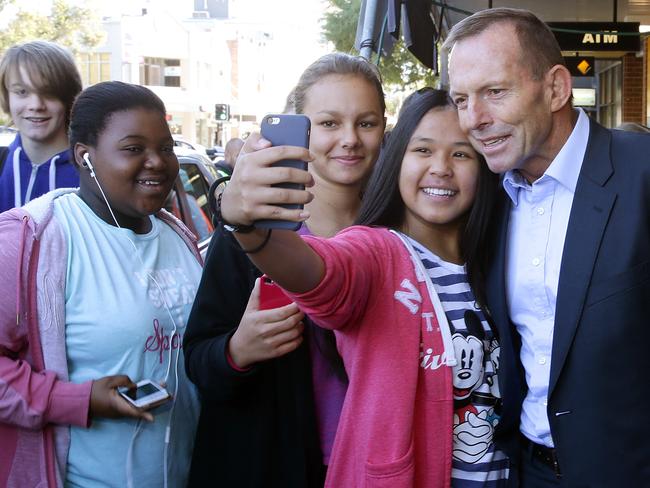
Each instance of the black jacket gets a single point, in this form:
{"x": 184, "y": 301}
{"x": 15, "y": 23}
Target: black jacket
{"x": 257, "y": 428}
{"x": 598, "y": 389}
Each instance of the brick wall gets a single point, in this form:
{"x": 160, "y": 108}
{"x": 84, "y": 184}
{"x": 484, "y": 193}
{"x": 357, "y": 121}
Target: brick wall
{"x": 645, "y": 44}
{"x": 633, "y": 93}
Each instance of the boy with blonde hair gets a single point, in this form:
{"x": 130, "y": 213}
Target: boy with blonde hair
{"x": 38, "y": 83}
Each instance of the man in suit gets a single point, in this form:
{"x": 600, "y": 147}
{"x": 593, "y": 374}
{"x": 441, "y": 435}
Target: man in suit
{"x": 569, "y": 280}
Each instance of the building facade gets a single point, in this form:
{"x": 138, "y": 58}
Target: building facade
{"x": 184, "y": 61}
{"x": 200, "y": 54}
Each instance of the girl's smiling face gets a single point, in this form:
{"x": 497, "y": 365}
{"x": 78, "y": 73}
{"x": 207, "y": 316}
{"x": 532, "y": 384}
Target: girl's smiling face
{"x": 347, "y": 127}
{"x": 135, "y": 164}
{"x": 438, "y": 176}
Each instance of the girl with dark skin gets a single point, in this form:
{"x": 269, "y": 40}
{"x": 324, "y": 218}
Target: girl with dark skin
{"x": 116, "y": 279}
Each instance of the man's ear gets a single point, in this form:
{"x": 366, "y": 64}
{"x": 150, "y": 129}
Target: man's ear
{"x": 559, "y": 79}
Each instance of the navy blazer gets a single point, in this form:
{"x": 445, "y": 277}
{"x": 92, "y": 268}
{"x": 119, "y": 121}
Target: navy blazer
{"x": 599, "y": 397}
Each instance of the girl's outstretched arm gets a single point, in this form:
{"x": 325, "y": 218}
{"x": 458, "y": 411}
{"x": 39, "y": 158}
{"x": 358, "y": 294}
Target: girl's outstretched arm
{"x": 250, "y": 196}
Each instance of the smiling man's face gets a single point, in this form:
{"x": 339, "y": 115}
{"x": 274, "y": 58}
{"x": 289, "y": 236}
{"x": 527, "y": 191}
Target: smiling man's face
{"x": 505, "y": 112}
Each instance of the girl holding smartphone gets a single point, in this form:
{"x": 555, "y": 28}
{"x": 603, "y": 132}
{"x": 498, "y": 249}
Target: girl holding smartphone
{"x": 272, "y": 386}
{"x": 420, "y": 408}
{"x": 99, "y": 284}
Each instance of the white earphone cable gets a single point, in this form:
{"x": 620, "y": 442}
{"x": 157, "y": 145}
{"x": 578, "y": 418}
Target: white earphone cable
{"x": 137, "y": 254}
{"x": 129, "y": 461}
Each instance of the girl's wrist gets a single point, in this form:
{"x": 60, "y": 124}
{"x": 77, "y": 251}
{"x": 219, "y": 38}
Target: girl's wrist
{"x": 233, "y": 355}
{"x": 227, "y": 225}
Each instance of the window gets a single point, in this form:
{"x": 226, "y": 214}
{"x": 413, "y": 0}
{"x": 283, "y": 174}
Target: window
{"x": 160, "y": 72}
{"x": 196, "y": 189}
{"x": 172, "y": 72}
{"x": 94, "y": 67}
{"x": 610, "y": 76}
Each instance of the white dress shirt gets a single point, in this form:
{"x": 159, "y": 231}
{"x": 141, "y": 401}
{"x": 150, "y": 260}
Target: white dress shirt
{"x": 536, "y": 230}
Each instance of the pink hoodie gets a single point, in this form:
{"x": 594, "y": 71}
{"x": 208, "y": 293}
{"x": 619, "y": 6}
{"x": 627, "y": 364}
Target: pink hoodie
{"x": 37, "y": 402}
{"x": 373, "y": 286}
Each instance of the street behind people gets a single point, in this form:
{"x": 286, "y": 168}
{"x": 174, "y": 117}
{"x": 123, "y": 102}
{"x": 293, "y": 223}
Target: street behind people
{"x": 420, "y": 408}
{"x": 38, "y": 83}
{"x": 98, "y": 288}
{"x": 570, "y": 276}
{"x": 272, "y": 388}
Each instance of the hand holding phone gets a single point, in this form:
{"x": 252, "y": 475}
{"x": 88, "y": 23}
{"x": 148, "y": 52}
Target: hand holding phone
{"x": 267, "y": 329}
{"x": 107, "y": 402}
{"x": 271, "y": 295}
{"x": 147, "y": 394}
{"x": 286, "y": 130}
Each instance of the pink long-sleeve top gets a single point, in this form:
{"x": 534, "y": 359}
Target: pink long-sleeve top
{"x": 396, "y": 425}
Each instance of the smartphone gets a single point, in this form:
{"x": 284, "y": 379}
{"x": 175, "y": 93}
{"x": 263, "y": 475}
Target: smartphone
{"x": 271, "y": 295}
{"x": 286, "y": 130}
{"x": 147, "y": 394}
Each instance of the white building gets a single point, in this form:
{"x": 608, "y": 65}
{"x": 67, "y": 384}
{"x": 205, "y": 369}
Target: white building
{"x": 184, "y": 61}
{"x": 248, "y": 55}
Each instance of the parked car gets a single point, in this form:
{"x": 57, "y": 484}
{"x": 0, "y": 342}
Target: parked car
{"x": 189, "y": 197}
{"x": 186, "y": 145}
{"x": 215, "y": 153}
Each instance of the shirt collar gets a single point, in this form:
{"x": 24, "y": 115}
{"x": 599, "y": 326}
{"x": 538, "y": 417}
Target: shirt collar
{"x": 564, "y": 169}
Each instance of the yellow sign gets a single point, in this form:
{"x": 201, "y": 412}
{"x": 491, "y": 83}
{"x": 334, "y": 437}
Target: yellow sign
{"x": 584, "y": 67}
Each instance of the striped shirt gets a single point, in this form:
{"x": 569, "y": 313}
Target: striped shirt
{"x": 476, "y": 461}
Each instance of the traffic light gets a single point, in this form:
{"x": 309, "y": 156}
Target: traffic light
{"x": 221, "y": 112}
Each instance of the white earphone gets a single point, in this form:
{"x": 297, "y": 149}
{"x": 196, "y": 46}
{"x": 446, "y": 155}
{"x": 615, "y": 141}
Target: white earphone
{"x": 129, "y": 468}
{"x": 89, "y": 165}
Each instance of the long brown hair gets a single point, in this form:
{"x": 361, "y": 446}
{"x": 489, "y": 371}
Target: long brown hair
{"x": 333, "y": 64}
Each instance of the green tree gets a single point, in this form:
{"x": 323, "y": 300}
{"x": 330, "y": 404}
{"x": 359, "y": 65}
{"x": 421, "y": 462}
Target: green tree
{"x": 400, "y": 69}
{"x": 4, "y": 3}
{"x": 77, "y": 28}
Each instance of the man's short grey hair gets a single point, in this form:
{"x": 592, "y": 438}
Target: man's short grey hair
{"x": 539, "y": 48}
